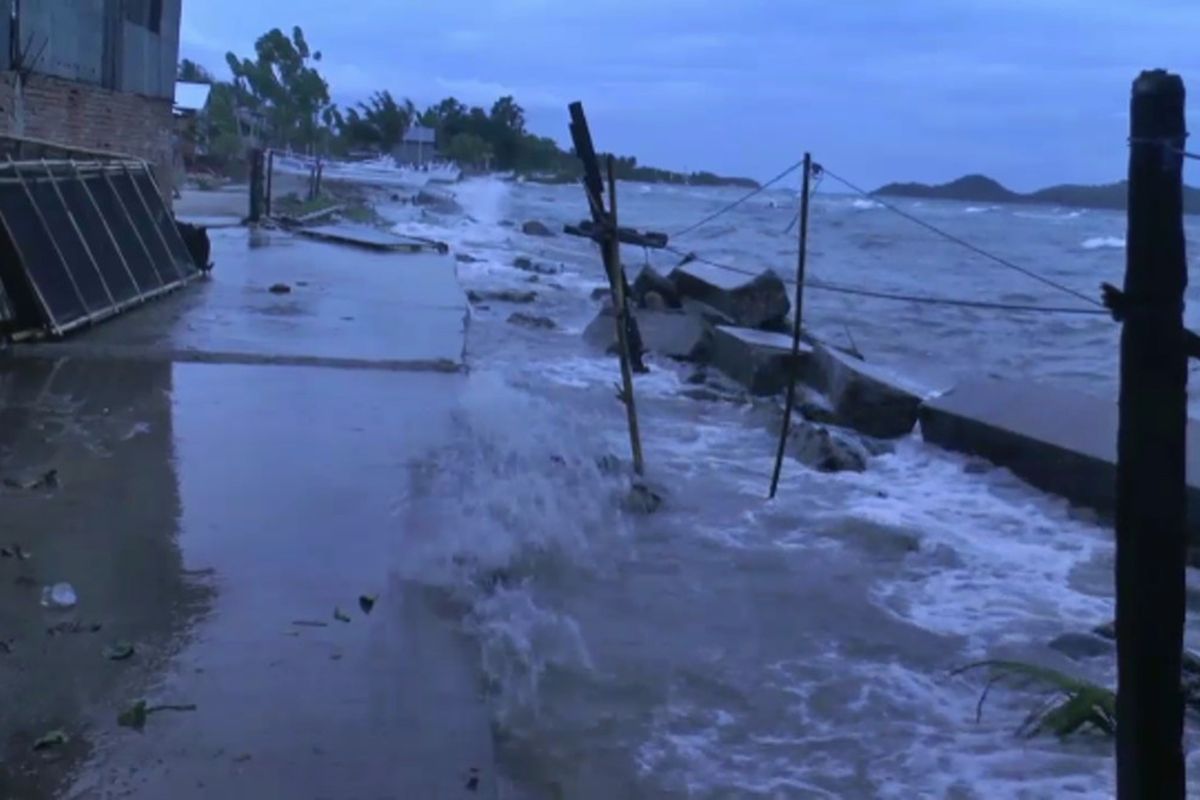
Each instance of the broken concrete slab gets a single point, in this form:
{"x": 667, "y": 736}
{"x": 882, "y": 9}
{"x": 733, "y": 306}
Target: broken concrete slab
{"x": 501, "y": 296}
{"x": 865, "y": 396}
{"x": 650, "y": 281}
{"x": 759, "y": 360}
{"x": 674, "y": 334}
{"x": 1059, "y": 440}
{"x": 825, "y": 449}
{"x": 750, "y": 302}
{"x": 368, "y": 237}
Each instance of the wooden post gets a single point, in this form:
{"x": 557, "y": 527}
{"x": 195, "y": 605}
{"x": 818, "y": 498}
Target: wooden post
{"x": 270, "y": 180}
{"x": 616, "y": 277}
{"x": 795, "y": 362}
{"x": 256, "y": 185}
{"x": 1151, "y": 493}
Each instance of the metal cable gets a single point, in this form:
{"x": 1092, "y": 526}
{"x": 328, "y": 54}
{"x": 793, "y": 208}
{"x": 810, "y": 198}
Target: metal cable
{"x": 740, "y": 200}
{"x": 964, "y": 243}
{"x": 908, "y": 298}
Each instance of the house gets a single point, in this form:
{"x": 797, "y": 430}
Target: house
{"x": 419, "y": 146}
{"x": 191, "y": 100}
{"x": 91, "y": 75}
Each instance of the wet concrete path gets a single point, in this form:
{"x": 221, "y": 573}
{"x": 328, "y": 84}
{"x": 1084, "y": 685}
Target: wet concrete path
{"x": 225, "y": 519}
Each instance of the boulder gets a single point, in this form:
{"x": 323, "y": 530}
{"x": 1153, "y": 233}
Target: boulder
{"x": 674, "y": 334}
{"x": 535, "y": 228}
{"x": 751, "y": 302}
{"x": 466, "y": 258}
{"x": 437, "y": 201}
{"x": 653, "y": 301}
{"x": 865, "y": 397}
{"x": 527, "y": 264}
{"x": 650, "y": 280}
{"x": 501, "y": 296}
{"x": 532, "y": 321}
{"x": 825, "y": 449}
{"x": 1080, "y": 646}
{"x": 601, "y": 293}
{"x": 758, "y": 360}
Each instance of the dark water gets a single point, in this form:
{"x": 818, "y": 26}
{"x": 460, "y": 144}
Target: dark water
{"x": 732, "y": 647}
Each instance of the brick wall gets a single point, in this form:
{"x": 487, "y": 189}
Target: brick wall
{"x": 90, "y": 117}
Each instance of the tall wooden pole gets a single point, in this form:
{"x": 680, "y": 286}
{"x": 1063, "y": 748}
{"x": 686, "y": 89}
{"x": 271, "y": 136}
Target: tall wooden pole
{"x": 1151, "y": 496}
{"x": 256, "y": 185}
{"x": 795, "y": 362}
{"x": 616, "y": 277}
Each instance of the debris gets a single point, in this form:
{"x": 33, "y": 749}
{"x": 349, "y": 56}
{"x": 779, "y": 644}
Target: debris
{"x": 310, "y": 623}
{"x": 59, "y": 596}
{"x": 302, "y": 283}
{"x": 466, "y": 258}
{"x": 50, "y": 739}
{"x": 473, "y": 779}
{"x": 243, "y": 758}
{"x": 825, "y": 449}
{"x": 279, "y": 288}
{"x": 535, "y": 228}
{"x": 367, "y": 602}
{"x": 6, "y": 646}
{"x": 532, "y": 321}
{"x": 601, "y": 293}
{"x": 136, "y": 715}
{"x": 15, "y": 551}
{"x": 119, "y": 651}
{"x": 527, "y": 264}
{"x": 502, "y": 296}
{"x": 74, "y": 627}
{"x": 47, "y": 480}
{"x": 753, "y": 302}
{"x": 340, "y": 615}
{"x": 1074, "y": 703}
{"x": 650, "y": 280}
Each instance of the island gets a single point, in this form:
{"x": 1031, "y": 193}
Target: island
{"x": 982, "y": 189}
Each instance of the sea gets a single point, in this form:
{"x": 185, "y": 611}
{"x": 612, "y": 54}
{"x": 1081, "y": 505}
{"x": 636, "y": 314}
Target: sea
{"x": 731, "y": 646}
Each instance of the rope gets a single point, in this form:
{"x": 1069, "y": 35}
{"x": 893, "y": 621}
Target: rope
{"x": 740, "y": 200}
{"x": 964, "y": 243}
{"x": 907, "y": 298}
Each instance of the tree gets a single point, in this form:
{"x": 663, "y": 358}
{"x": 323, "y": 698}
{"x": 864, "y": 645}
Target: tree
{"x": 381, "y": 122}
{"x": 284, "y": 84}
{"x": 468, "y": 150}
{"x": 191, "y": 72}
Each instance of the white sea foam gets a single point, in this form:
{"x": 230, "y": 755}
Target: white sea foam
{"x": 863, "y": 204}
{"x": 980, "y": 209}
{"x": 1103, "y": 242}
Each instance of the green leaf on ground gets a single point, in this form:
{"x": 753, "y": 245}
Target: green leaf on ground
{"x": 119, "y": 651}
{"x": 54, "y": 738}
{"x": 1073, "y": 703}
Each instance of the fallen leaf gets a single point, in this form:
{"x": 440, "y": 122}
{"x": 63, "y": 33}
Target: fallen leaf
{"x": 340, "y": 615}
{"x": 367, "y": 602}
{"x": 54, "y": 738}
{"x": 118, "y": 651}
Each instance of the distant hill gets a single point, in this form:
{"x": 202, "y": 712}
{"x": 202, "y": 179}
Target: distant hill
{"x": 982, "y": 189}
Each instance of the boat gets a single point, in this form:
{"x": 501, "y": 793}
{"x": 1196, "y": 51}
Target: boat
{"x": 381, "y": 171}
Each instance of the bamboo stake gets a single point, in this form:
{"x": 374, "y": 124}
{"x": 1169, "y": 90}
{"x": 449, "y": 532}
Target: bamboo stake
{"x": 612, "y": 263}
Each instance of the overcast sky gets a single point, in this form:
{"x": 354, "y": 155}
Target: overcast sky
{"x": 1030, "y": 91}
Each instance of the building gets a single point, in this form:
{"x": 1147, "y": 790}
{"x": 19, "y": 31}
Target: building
{"x": 94, "y": 75}
{"x": 419, "y": 146}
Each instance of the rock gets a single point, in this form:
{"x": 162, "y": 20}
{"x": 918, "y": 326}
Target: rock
{"x": 758, "y": 360}
{"x": 608, "y": 464}
{"x": 653, "y": 301}
{"x": 601, "y": 293}
{"x": 466, "y": 258}
{"x": 703, "y": 395}
{"x": 825, "y": 450}
{"x": 818, "y": 411}
{"x": 436, "y": 201}
{"x": 751, "y": 302}
{"x": 650, "y": 280}
{"x": 642, "y": 499}
{"x": 279, "y": 288}
{"x": 1079, "y": 646}
{"x": 535, "y": 228}
{"x": 501, "y": 296}
{"x": 698, "y": 377}
{"x": 527, "y": 264}
{"x": 507, "y": 223}
{"x": 1107, "y": 630}
{"x": 674, "y": 334}
{"x": 866, "y": 397}
{"x": 532, "y": 321}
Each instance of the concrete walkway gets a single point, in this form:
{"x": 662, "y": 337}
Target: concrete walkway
{"x": 231, "y": 468}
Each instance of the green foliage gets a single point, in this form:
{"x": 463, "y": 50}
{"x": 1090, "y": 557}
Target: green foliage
{"x": 1071, "y": 703}
{"x": 468, "y": 150}
{"x": 191, "y": 72}
{"x": 283, "y": 83}
{"x": 380, "y": 122}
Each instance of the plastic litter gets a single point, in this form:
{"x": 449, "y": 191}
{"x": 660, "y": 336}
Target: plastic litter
{"x": 59, "y": 596}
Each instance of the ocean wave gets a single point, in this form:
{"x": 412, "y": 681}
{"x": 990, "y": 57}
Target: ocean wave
{"x": 863, "y": 204}
{"x": 1103, "y": 242}
{"x": 980, "y": 209}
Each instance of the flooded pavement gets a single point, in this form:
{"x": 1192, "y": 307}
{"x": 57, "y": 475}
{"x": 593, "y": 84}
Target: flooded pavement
{"x": 242, "y": 527}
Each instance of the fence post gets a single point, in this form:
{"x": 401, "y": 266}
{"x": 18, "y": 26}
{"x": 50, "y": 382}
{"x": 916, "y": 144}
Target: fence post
{"x": 794, "y": 366}
{"x": 270, "y": 180}
{"x": 256, "y": 185}
{"x": 1151, "y": 488}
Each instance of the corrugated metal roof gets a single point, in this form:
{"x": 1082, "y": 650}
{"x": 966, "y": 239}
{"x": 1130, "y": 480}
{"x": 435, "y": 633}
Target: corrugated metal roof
{"x": 191, "y": 96}
{"x": 419, "y": 133}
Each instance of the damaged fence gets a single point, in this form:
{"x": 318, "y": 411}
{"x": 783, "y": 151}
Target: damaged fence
{"x": 82, "y": 241}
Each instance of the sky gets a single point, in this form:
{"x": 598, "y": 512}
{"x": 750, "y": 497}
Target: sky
{"x": 1032, "y": 92}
